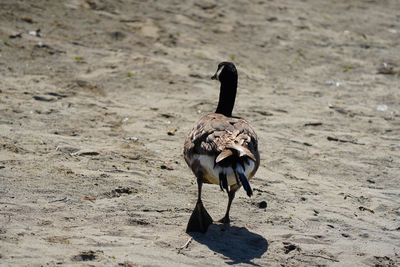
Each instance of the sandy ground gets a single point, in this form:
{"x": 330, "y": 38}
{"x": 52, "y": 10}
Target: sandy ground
{"x": 95, "y": 106}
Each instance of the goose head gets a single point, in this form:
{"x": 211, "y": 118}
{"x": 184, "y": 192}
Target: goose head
{"x": 226, "y": 72}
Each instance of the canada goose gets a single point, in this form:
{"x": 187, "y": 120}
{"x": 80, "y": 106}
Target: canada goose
{"x": 221, "y": 149}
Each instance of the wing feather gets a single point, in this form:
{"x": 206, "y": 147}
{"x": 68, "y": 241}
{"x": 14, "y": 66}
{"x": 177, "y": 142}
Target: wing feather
{"x": 216, "y": 134}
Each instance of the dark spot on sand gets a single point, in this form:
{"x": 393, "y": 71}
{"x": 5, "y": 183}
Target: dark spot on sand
{"x": 262, "y": 204}
{"x": 86, "y": 255}
{"x": 290, "y": 247}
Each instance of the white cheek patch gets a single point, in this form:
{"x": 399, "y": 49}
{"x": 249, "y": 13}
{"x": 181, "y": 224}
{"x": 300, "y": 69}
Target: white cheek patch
{"x": 219, "y": 72}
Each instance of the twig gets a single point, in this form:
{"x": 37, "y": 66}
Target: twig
{"x": 330, "y": 138}
{"x": 319, "y": 256}
{"x": 364, "y": 208}
{"x": 57, "y": 200}
{"x": 8, "y": 203}
{"x": 91, "y": 199}
{"x": 301, "y": 221}
{"x": 186, "y": 244}
{"x": 160, "y": 211}
{"x": 313, "y": 124}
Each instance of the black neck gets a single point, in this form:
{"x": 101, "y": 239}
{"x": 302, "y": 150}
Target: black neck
{"x": 227, "y": 97}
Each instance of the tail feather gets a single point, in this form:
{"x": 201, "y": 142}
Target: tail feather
{"x": 239, "y": 173}
{"x": 246, "y": 184}
{"x": 223, "y": 182}
{"x": 235, "y": 157}
{"x": 223, "y": 155}
{"x": 242, "y": 150}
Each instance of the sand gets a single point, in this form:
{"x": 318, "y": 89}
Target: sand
{"x": 95, "y": 106}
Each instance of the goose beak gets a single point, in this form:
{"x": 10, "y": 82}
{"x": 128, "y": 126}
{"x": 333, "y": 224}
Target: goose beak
{"x": 216, "y": 75}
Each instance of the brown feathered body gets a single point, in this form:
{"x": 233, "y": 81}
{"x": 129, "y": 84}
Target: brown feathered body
{"x": 219, "y": 144}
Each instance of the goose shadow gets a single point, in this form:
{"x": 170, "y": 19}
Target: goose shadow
{"x": 236, "y": 243}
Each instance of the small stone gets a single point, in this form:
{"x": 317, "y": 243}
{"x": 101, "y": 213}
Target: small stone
{"x": 27, "y": 19}
{"x": 132, "y": 138}
{"x": 172, "y": 131}
{"x": 167, "y": 167}
{"x": 44, "y": 98}
{"x": 288, "y": 247}
{"x": 262, "y": 204}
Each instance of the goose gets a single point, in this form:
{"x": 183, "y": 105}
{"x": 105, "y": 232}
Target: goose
{"x": 221, "y": 149}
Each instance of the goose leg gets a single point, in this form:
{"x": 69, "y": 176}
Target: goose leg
{"x": 231, "y": 195}
{"x": 200, "y": 219}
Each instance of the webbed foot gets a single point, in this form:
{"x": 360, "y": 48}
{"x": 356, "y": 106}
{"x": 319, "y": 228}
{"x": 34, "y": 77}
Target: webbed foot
{"x": 225, "y": 220}
{"x": 199, "y": 220}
